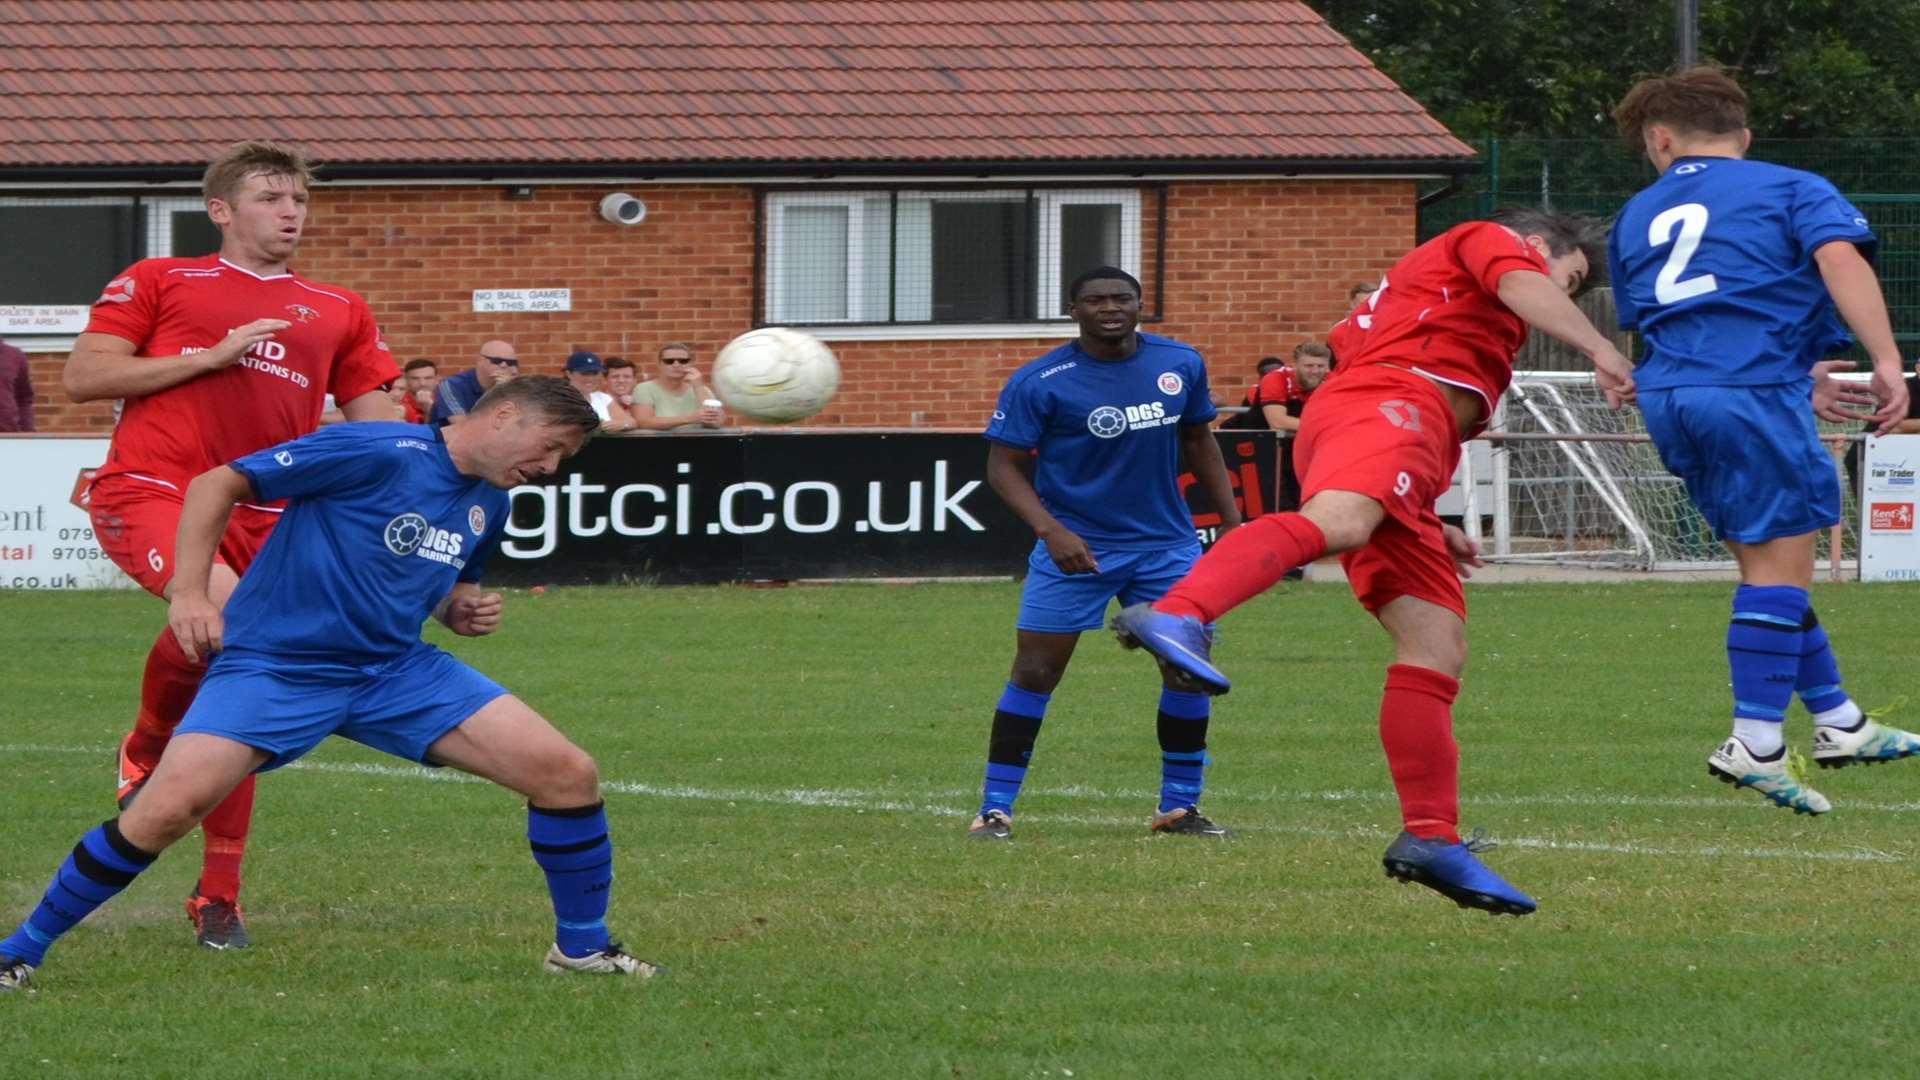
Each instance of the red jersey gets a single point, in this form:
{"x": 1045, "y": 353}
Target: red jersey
{"x": 170, "y": 307}
{"x": 1279, "y": 386}
{"x": 1438, "y": 312}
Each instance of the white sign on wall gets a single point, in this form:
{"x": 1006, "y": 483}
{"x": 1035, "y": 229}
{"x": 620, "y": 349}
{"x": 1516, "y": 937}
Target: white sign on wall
{"x": 1889, "y": 543}
{"x": 46, "y": 539}
{"x": 23, "y": 319}
{"x": 523, "y": 299}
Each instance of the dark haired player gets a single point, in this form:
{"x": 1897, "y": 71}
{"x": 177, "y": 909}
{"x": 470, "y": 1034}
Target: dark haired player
{"x": 1103, "y": 419}
{"x": 1421, "y": 365}
{"x": 1738, "y": 275}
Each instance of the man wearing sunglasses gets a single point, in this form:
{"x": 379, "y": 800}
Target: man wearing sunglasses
{"x": 676, "y": 396}
{"x": 497, "y": 362}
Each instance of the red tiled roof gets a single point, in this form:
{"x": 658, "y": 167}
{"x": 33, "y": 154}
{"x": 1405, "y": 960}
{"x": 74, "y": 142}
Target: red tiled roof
{"x": 101, "y": 83}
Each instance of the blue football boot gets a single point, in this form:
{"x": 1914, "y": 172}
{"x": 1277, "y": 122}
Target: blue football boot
{"x": 1181, "y": 643}
{"x": 1452, "y": 871}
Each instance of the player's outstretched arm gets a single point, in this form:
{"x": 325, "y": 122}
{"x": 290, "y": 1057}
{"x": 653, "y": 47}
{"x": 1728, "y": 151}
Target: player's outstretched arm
{"x": 1855, "y": 289}
{"x": 469, "y": 612}
{"x": 1534, "y": 297}
{"x": 191, "y": 611}
{"x": 1210, "y": 471}
{"x": 103, "y": 366}
{"x": 1009, "y": 481}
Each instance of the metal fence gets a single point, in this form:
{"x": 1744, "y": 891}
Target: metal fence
{"x": 1597, "y": 176}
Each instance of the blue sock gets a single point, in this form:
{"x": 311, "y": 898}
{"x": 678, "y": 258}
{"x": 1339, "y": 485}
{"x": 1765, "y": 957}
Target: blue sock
{"x": 1183, "y": 747}
{"x": 1763, "y": 651}
{"x": 573, "y": 848}
{"x": 1819, "y": 682}
{"x": 1016, "y": 724}
{"x": 102, "y": 864}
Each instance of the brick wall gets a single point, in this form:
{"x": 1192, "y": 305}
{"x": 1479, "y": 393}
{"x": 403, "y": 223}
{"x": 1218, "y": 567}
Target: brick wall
{"x": 1252, "y": 267}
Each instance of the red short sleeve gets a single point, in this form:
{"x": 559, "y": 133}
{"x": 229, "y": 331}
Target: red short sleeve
{"x": 363, "y": 364}
{"x": 1488, "y": 251}
{"x": 127, "y": 306}
{"x": 1276, "y": 386}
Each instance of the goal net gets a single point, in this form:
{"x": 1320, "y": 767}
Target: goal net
{"x": 1563, "y": 479}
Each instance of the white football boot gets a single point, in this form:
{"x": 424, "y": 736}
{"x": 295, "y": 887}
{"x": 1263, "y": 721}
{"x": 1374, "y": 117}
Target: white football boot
{"x": 1784, "y": 782}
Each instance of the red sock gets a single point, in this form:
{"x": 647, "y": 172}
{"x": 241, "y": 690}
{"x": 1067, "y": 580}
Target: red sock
{"x": 225, "y": 831}
{"x": 1245, "y": 563}
{"x": 1416, "y": 728}
{"x": 166, "y": 689}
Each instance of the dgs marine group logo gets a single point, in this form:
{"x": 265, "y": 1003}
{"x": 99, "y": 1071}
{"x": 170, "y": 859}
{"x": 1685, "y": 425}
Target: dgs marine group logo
{"x": 406, "y": 533}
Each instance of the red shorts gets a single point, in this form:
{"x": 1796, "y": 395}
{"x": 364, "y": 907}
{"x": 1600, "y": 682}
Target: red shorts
{"x": 136, "y": 522}
{"x": 1387, "y": 434}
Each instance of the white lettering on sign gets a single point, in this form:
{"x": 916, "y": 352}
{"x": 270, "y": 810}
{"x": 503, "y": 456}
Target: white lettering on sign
{"x": 523, "y": 299}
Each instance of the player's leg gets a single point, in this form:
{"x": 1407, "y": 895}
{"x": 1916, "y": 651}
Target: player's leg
{"x": 1363, "y": 452}
{"x": 429, "y": 707}
{"x": 1183, "y": 716}
{"x": 195, "y": 772}
{"x": 1055, "y": 608}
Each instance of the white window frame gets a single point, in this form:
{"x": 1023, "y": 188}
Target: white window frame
{"x": 865, "y": 325}
{"x": 156, "y": 239}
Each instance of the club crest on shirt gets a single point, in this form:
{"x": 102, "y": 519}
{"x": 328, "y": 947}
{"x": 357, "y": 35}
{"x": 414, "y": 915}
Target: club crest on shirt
{"x": 476, "y": 520}
{"x": 118, "y": 291}
{"x": 1170, "y": 383}
{"x": 303, "y": 312}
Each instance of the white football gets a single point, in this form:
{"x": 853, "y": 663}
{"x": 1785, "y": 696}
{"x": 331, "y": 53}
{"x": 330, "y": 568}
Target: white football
{"x": 776, "y": 375}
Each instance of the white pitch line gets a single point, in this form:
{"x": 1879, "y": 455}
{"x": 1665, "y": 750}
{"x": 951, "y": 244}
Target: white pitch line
{"x": 862, "y": 801}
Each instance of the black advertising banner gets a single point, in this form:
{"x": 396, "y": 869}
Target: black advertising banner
{"x": 781, "y": 506}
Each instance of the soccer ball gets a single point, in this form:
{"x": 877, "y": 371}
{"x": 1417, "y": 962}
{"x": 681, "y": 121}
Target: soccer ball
{"x": 776, "y": 375}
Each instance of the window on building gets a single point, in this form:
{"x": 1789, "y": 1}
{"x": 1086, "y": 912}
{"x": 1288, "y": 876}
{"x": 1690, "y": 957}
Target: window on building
{"x": 66, "y": 248}
{"x": 946, "y": 256}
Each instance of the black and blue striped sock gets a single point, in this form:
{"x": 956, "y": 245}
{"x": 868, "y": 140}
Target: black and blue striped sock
{"x": 1182, "y": 727}
{"x": 573, "y": 848}
{"x": 1016, "y": 724}
{"x": 103, "y": 864}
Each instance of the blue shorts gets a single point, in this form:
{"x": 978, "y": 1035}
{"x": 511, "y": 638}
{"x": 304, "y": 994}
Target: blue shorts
{"x": 286, "y": 708}
{"x": 1055, "y": 603}
{"x": 1751, "y": 457}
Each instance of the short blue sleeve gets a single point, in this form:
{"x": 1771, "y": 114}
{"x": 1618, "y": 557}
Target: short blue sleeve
{"x": 337, "y": 458}
{"x": 1019, "y": 417}
{"x": 1822, "y": 215}
{"x": 1624, "y": 311}
{"x": 1200, "y": 408}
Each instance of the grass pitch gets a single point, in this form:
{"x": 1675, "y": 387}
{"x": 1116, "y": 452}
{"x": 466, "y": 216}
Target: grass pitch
{"x": 789, "y": 774}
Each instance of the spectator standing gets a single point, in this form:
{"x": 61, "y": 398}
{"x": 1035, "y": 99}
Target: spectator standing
{"x": 621, "y": 379}
{"x": 498, "y": 361}
{"x": 421, "y": 377}
{"x": 676, "y": 396}
{"x": 16, "y": 390}
{"x": 1252, "y": 419}
{"x": 588, "y": 374}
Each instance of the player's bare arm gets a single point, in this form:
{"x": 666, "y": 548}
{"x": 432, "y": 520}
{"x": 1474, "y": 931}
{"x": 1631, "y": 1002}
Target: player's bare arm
{"x": 372, "y": 405}
{"x": 103, "y": 366}
{"x": 1278, "y": 419}
{"x": 191, "y": 609}
{"x": 1210, "y": 471}
{"x": 1009, "y": 481}
{"x": 1546, "y": 307}
{"x": 1855, "y": 289}
{"x": 469, "y": 612}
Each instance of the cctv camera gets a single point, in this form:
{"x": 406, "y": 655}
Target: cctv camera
{"x": 623, "y": 209}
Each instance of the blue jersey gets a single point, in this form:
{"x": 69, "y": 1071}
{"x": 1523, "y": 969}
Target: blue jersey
{"x": 1713, "y": 264}
{"x": 1108, "y": 436}
{"x": 379, "y": 526}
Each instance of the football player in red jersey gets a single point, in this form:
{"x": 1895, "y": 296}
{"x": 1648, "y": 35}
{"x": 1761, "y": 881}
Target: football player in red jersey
{"x": 1422, "y": 361}
{"x": 215, "y": 358}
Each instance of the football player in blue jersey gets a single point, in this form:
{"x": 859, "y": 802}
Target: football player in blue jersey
{"x": 386, "y": 524}
{"x": 1103, "y": 420}
{"x": 1742, "y": 277}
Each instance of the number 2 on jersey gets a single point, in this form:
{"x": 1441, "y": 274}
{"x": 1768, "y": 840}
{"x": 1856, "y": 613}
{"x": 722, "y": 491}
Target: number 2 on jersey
{"x": 1692, "y": 220}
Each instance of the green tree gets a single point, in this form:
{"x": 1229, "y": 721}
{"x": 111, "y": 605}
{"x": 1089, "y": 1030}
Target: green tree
{"x": 1553, "y": 68}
